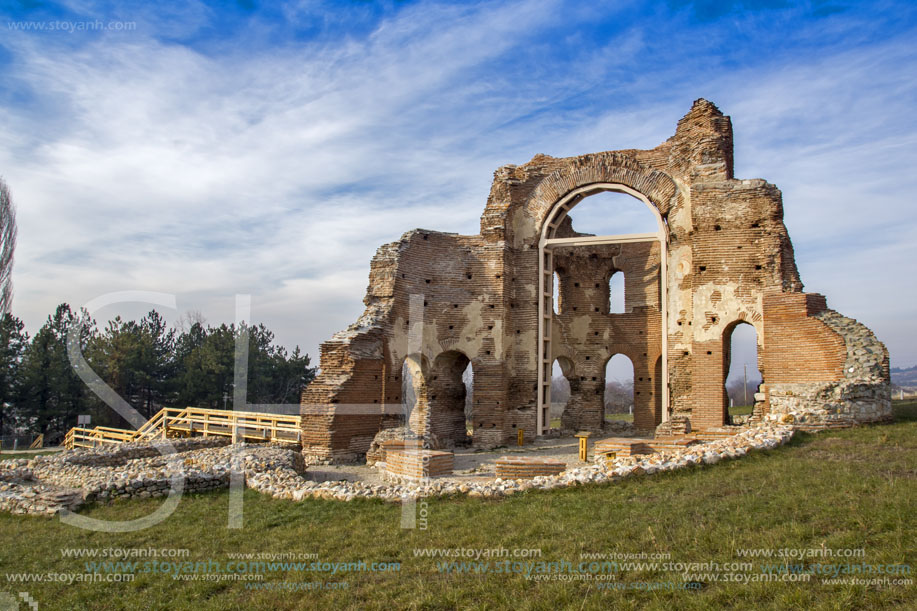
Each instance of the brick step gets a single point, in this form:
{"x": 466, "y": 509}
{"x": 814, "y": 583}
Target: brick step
{"x": 417, "y": 464}
{"x": 520, "y": 467}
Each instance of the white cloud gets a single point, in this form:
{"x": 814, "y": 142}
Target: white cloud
{"x": 278, "y": 169}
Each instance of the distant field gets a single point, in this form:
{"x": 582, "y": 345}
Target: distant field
{"x": 31, "y": 454}
{"x": 854, "y": 489}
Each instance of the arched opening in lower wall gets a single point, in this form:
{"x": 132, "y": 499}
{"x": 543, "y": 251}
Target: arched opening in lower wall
{"x": 741, "y": 374}
{"x": 447, "y": 396}
{"x": 619, "y": 389}
{"x": 468, "y": 381}
{"x": 564, "y": 384}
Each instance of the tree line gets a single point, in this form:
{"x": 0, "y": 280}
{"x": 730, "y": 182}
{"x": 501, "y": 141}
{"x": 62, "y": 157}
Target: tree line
{"x": 147, "y": 362}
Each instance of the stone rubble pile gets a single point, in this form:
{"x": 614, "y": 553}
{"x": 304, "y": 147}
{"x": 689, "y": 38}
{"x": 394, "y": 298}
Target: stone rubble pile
{"x": 46, "y": 484}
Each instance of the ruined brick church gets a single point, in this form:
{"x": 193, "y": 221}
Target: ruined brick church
{"x": 720, "y": 256}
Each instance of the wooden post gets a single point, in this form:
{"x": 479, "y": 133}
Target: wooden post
{"x": 521, "y": 437}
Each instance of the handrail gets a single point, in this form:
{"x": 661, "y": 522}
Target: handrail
{"x": 259, "y": 426}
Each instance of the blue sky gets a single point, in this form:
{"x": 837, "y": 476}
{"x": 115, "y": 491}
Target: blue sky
{"x": 209, "y": 149}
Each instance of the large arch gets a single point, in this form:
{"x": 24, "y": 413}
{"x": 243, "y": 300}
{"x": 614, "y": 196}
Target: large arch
{"x": 554, "y": 215}
{"x": 656, "y": 187}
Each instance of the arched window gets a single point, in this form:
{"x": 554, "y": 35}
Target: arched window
{"x": 616, "y": 294}
{"x": 556, "y": 293}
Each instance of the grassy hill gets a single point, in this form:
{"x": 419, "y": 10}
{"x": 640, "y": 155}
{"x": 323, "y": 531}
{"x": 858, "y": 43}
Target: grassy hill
{"x": 844, "y": 490}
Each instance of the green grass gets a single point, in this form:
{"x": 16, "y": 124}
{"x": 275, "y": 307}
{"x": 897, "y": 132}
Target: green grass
{"x": 740, "y": 410}
{"x": 31, "y": 454}
{"x": 854, "y": 488}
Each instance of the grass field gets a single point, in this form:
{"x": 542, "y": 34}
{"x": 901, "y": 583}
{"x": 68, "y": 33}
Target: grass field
{"x": 851, "y": 489}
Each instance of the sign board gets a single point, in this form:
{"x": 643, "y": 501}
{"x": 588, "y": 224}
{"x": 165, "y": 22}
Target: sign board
{"x": 83, "y": 419}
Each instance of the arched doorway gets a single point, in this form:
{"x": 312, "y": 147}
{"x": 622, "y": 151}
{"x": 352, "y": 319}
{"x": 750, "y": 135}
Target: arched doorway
{"x": 563, "y": 390}
{"x": 740, "y": 368}
{"x": 619, "y": 389}
{"x": 548, "y": 241}
{"x": 447, "y": 395}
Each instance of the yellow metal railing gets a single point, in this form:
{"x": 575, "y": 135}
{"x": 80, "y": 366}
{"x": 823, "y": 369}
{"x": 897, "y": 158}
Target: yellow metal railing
{"x": 169, "y": 421}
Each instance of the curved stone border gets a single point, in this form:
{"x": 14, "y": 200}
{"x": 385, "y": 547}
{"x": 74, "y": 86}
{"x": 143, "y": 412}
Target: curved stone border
{"x": 46, "y": 484}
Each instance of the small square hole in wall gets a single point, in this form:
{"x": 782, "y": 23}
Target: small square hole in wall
{"x": 596, "y": 285}
{"x": 596, "y": 309}
{"x": 574, "y": 308}
{"x": 468, "y": 276}
{"x": 451, "y": 327}
{"x": 594, "y": 378}
{"x": 497, "y": 276}
{"x": 454, "y": 305}
{"x": 488, "y": 352}
{"x": 426, "y": 237}
{"x": 596, "y": 333}
{"x": 587, "y": 358}
{"x": 576, "y": 284}
{"x": 716, "y": 227}
{"x": 490, "y": 327}
{"x": 702, "y": 268}
{"x": 757, "y": 267}
{"x": 427, "y": 281}
{"x": 709, "y": 352}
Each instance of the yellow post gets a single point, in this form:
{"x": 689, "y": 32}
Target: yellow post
{"x": 521, "y": 437}
{"x": 583, "y": 445}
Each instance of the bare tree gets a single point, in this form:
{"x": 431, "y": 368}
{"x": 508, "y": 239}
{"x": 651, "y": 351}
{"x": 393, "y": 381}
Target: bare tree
{"x": 7, "y": 247}
{"x": 189, "y": 319}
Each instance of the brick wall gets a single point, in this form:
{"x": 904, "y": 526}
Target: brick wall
{"x": 729, "y": 259}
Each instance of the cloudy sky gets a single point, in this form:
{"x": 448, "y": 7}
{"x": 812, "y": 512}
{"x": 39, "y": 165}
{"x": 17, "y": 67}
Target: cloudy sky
{"x": 268, "y": 148}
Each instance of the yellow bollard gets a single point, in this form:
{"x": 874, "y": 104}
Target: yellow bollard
{"x": 583, "y": 445}
{"x": 521, "y": 437}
